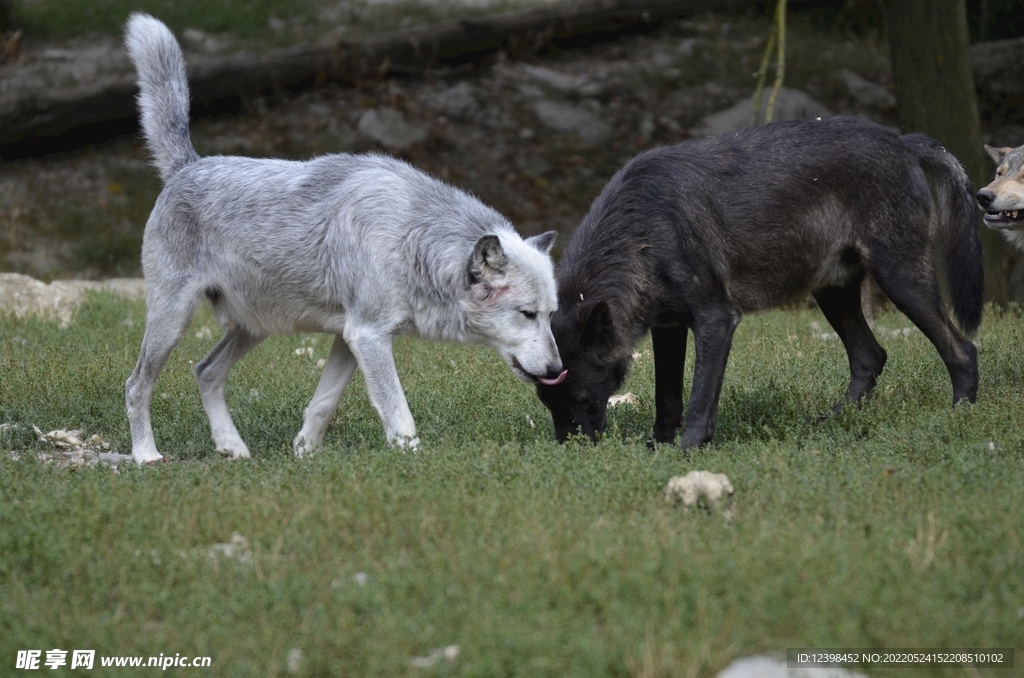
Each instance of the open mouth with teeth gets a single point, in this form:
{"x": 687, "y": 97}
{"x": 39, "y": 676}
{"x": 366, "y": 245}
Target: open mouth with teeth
{"x": 1005, "y": 218}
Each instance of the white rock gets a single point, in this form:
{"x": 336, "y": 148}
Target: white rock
{"x": 236, "y": 549}
{"x": 390, "y": 128}
{"x": 74, "y": 449}
{"x": 202, "y": 41}
{"x": 559, "y": 82}
{"x": 865, "y": 92}
{"x": 622, "y": 399}
{"x": 24, "y": 296}
{"x": 791, "y": 104}
{"x": 760, "y": 666}
{"x": 712, "y": 489}
{"x": 293, "y": 661}
{"x": 457, "y": 101}
{"x": 448, "y": 654}
{"x": 570, "y": 118}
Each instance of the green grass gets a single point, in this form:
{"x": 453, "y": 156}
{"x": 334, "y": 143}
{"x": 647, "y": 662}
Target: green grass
{"x": 897, "y": 524}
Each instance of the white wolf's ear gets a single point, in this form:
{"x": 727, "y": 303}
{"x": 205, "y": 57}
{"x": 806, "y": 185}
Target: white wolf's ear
{"x": 488, "y": 260}
{"x": 997, "y": 154}
{"x": 543, "y": 242}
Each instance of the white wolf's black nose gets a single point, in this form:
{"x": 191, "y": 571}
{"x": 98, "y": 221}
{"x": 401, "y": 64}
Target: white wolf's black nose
{"x": 553, "y": 371}
{"x": 985, "y": 197}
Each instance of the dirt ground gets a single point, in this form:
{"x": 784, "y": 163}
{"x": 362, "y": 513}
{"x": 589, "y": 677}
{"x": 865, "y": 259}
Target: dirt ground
{"x": 537, "y": 139}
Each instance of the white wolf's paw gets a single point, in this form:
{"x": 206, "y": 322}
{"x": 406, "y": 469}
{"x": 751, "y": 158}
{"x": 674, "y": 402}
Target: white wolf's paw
{"x": 143, "y": 457}
{"x": 303, "y": 446}
{"x": 406, "y": 444}
{"x": 234, "y": 451}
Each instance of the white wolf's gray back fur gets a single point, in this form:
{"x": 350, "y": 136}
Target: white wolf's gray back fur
{"x": 361, "y": 246}
{"x": 163, "y": 92}
{"x": 369, "y": 228}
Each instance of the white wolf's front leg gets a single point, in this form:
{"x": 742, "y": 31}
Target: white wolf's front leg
{"x": 338, "y": 370}
{"x": 372, "y": 349}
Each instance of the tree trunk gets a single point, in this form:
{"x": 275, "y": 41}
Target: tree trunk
{"x": 931, "y": 64}
{"x": 6, "y": 17}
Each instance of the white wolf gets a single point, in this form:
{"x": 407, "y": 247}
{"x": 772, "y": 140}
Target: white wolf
{"x": 360, "y": 246}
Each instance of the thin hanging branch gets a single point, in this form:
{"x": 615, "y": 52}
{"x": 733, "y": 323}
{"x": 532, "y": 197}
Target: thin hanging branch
{"x": 776, "y": 38}
{"x": 762, "y": 72}
{"x": 780, "y": 64}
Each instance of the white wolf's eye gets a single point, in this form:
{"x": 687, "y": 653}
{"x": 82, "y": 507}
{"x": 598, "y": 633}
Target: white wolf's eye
{"x": 530, "y": 315}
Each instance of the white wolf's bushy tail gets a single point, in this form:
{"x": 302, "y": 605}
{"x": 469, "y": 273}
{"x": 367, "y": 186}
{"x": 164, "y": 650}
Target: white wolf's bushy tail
{"x": 163, "y": 92}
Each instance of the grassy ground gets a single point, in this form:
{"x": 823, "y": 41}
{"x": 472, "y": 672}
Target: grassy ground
{"x": 898, "y": 524}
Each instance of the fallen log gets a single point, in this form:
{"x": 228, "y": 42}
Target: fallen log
{"x": 31, "y": 125}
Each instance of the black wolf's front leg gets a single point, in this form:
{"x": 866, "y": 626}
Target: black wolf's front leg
{"x": 669, "y": 358}
{"x": 712, "y": 334}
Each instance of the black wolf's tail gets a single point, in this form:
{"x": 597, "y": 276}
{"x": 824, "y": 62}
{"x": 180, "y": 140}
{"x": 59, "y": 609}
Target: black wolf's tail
{"x": 958, "y": 221}
{"x": 163, "y": 92}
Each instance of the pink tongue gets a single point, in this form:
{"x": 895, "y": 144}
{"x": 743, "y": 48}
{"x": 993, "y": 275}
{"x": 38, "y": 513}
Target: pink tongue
{"x": 557, "y": 380}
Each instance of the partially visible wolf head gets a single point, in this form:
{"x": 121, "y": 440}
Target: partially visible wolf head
{"x": 596, "y": 359}
{"x": 1003, "y": 199}
{"x": 512, "y": 296}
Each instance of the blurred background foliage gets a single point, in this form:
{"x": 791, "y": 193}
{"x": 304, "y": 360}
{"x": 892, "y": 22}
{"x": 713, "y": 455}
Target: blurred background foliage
{"x": 989, "y": 19}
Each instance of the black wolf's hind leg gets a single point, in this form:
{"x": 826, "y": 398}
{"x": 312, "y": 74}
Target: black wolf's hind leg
{"x": 842, "y": 309}
{"x": 712, "y": 334}
{"x": 669, "y": 358}
{"x": 915, "y": 291}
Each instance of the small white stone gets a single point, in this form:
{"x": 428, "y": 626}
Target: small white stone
{"x": 712, "y": 489}
{"x": 293, "y": 662}
{"x": 449, "y": 654}
{"x": 622, "y": 399}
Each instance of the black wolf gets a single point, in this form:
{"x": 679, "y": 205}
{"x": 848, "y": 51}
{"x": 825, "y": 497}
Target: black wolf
{"x": 696, "y": 234}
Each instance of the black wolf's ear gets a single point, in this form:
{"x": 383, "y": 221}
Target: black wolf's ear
{"x": 997, "y": 154}
{"x": 543, "y": 242}
{"x": 488, "y": 259}
{"x": 598, "y": 326}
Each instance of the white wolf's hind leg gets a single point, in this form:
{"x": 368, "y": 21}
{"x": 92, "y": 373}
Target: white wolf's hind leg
{"x": 165, "y": 326}
{"x": 341, "y": 365}
{"x": 372, "y": 349}
{"x": 211, "y": 373}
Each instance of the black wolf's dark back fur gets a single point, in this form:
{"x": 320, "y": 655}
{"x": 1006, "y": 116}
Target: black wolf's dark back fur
{"x": 693, "y": 235}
